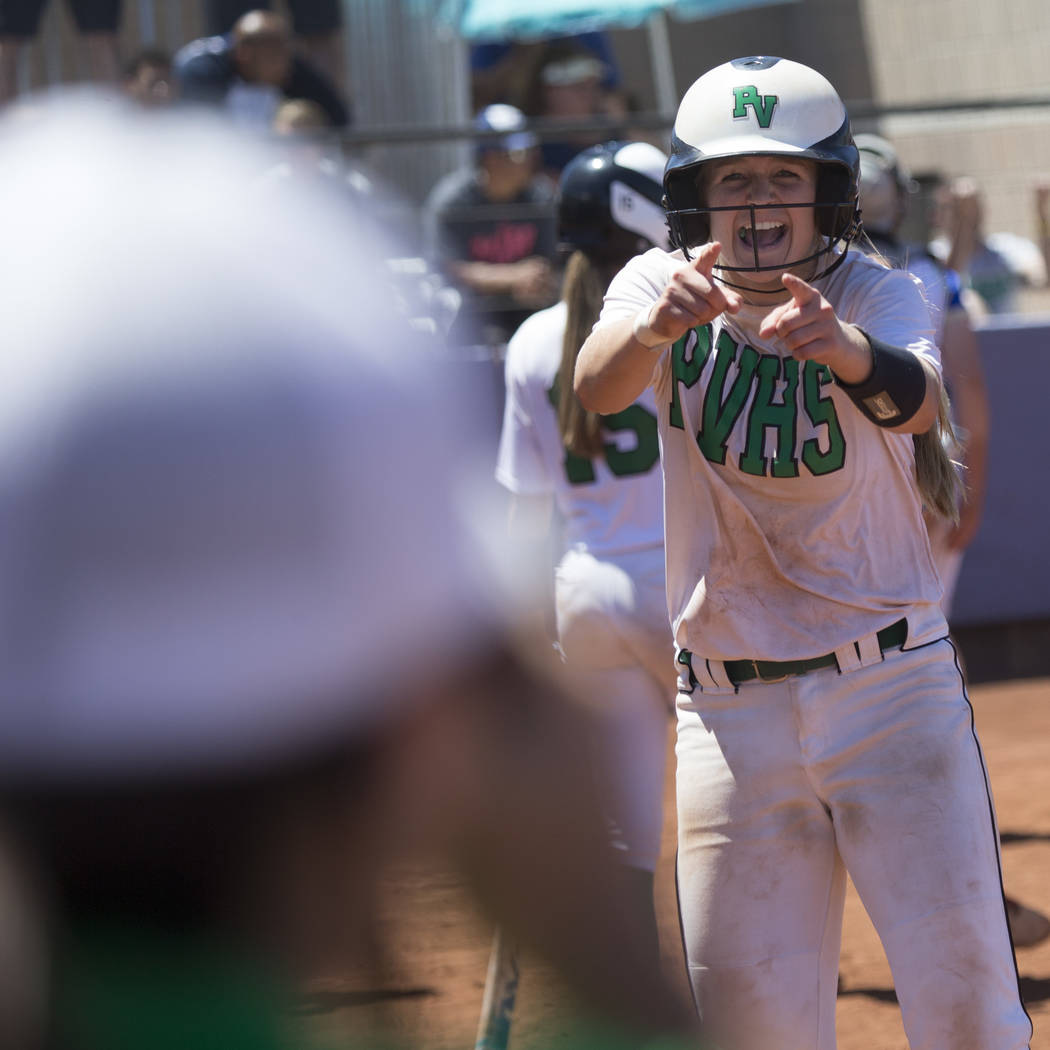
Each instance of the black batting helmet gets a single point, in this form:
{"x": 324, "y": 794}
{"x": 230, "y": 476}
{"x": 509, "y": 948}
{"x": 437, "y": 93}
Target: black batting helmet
{"x": 610, "y": 200}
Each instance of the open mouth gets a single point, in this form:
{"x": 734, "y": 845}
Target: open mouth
{"x": 762, "y": 235}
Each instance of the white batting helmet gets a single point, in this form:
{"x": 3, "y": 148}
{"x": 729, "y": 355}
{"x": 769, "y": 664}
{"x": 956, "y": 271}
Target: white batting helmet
{"x": 754, "y": 107}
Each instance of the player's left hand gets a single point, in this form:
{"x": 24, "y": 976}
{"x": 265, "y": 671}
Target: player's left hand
{"x": 809, "y": 328}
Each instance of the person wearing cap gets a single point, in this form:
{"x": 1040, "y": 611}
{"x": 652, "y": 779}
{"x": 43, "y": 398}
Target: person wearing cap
{"x": 570, "y": 88}
{"x": 490, "y": 228}
{"x": 244, "y": 667}
{"x": 506, "y": 71}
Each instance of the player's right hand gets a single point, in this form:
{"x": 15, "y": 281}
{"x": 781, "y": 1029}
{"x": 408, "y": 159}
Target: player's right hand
{"x": 692, "y": 297}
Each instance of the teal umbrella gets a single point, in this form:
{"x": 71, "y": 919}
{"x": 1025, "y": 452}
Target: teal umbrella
{"x": 493, "y": 20}
{"x": 522, "y": 19}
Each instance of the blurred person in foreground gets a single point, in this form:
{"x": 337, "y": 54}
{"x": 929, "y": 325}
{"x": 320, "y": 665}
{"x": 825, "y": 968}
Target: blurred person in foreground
{"x": 490, "y": 227}
{"x": 255, "y": 643}
{"x": 885, "y": 186}
{"x": 249, "y": 71}
{"x": 97, "y": 23}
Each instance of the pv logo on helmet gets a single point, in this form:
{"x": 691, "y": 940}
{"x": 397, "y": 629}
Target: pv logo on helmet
{"x": 763, "y": 105}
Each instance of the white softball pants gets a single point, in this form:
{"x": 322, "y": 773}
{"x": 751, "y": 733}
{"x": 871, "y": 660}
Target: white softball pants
{"x": 616, "y": 635}
{"x": 781, "y": 788}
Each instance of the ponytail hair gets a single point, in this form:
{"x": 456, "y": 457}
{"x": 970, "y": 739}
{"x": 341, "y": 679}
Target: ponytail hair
{"x": 937, "y": 473}
{"x": 582, "y": 291}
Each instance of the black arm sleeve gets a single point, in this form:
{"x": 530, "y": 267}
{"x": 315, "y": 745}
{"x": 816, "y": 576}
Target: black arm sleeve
{"x": 896, "y": 388}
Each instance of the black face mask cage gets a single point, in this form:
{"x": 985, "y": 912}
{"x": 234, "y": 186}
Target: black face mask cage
{"x": 837, "y": 218}
{"x": 837, "y": 223}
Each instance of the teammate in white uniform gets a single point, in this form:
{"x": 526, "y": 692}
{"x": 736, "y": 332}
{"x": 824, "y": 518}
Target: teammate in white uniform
{"x": 884, "y": 186}
{"x": 603, "y": 477}
{"x": 884, "y": 189}
{"x": 823, "y": 723}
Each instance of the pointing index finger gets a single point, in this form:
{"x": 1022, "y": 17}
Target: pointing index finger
{"x": 706, "y": 258}
{"x": 704, "y": 265}
{"x": 800, "y": 291}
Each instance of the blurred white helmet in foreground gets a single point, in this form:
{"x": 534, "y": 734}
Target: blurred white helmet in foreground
{"x": 234, "y": 493}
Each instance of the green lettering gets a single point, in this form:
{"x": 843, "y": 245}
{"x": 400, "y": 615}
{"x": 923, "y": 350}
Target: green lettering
{"x": 687, "y": 369}
{"x": 646, "y": 452}
{"x": 821, "y": 411}
{"x": 720, "y": 414}
{"x": 579, "y": 470}
{"x": 781, "y": 416}
{"x": 762, "y": 105}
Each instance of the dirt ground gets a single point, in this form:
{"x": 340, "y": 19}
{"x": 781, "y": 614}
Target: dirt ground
{"x": 436, "y": 970}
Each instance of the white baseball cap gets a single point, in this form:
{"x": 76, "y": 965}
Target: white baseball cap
{"x": 241, "y": 510}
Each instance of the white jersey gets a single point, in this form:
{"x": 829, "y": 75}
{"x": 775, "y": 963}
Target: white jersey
{"x": 608, "y": 506}
{"x": 794, "y": 525}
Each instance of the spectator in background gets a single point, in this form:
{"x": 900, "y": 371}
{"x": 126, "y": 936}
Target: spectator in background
{"x": 1042, "y": 218}
{"x": 490, "y": 228}
{"x": 311, "y": 155}
{"x": 317, "y": 25}
{"x": 303, "y": 128}
{"x": 148, "y": 78}
{"x": 570, "y": 89}
{"x": 97, "y": 22}
{"x": 251, "y": 70}
{"x": 996, "y": 266}
{"x": 508, "y": 72}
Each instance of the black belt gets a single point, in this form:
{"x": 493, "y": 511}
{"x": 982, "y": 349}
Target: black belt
{"x": 773, "y": 670}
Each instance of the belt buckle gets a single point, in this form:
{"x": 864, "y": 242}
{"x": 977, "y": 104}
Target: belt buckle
{"x": 762, "y": 678}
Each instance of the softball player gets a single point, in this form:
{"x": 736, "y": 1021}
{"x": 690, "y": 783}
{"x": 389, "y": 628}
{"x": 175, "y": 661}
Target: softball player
{"x": 884, "y": 189}
{"x": 822, "y": 719}
{"x": 884, "y": 186}
{"x": 603, "y": 476}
